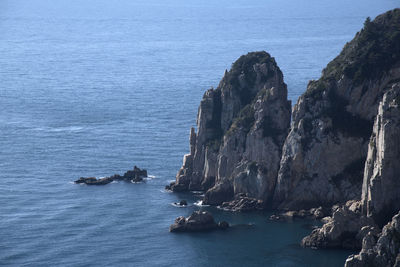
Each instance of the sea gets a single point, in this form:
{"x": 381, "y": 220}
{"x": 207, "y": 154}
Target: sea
{"x": 94, "y": 87}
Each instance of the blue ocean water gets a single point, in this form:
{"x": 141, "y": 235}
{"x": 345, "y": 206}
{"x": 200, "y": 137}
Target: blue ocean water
{"x": 92, "y": 87}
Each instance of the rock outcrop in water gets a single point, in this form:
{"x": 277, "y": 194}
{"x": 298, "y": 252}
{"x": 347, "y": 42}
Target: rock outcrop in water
{"x": 241, "y": 202}
{"x": 199, "y": 221}
{"x": 135, "y": 175}
{"x": 242, "y": 146}
{"x": 341, "y": 150}
{"x": 241, "y": 127}
{"x": 345, "y": 229}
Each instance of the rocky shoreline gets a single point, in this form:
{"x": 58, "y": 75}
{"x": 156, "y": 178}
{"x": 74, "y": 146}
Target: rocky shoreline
{"x": 335, "y": 157}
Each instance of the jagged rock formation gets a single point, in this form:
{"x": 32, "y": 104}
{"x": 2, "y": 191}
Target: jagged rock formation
{"x": 381, "y": 187}
{"x": 241, "y": 127}
{"x": 242, "y": 203}
{"x": 324, "y": 154}
{"x": 241, "y": 145}
{"x": 345, "y": 229}
{"x": 379, "y": 250}
{"x": 343, "y": 145}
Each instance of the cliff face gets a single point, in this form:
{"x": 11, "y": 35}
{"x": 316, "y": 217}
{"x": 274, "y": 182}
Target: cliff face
{"x": 381, "y": 186}
{"x": 244, "y": 145}
{"x": 241, "y": 127}
{"x": 342, "y": 147}
{"x": 324, "y": 154}
{"x": 359, "y": 220}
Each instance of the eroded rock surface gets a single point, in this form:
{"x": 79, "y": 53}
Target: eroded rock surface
{"x": 379, "y": 249}
{"x": 241, "y": 127}
{"x": 381, "y": 187}
{"x": 324, "y": 154}
{"x": 199, "y": 221}
{"x": 343, "y": 230}
{"x": 243, "y": 203}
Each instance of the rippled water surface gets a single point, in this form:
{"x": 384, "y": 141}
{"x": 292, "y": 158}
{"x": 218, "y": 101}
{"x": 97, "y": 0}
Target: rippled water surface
{"x": 90, "y": 88}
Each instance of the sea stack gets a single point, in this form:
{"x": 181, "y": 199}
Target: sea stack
{"x": 241, "y": 127}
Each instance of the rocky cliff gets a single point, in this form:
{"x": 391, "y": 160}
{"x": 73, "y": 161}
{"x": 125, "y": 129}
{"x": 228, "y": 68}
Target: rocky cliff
{"x": 244, "y": 145}
{"x": 324, "y": 154}
{"x": 341, "y": 149}
{"x": 381, "y": 186}
{"x": 357, "y": 222}
{"x": 241, "y": 127}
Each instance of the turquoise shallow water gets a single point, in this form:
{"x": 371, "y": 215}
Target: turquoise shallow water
{"x": 94, "y": 87}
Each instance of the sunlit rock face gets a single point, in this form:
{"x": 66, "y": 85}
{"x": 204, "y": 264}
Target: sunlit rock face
{"x": 381, "y": 187}
{"x": 324, "y": 154}
{"x": 241, "y": 127}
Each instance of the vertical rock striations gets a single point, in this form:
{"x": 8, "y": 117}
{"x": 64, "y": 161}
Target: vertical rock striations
{"x": 324, "y": 154}
{"x": 241, "y": 127}
{"x": 243, "y": 146}
{"x": 381, "y": 187}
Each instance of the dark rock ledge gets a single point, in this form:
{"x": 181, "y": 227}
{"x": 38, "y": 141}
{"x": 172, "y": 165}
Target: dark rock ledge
{"x": 199, "y": 221}
{"x": 135, "y": 175}
{"x": 242, "y": 203}
{"x": 319, "y": 213}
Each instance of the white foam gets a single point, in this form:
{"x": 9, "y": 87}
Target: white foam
{"x": 60, "y": 129}
{"x": 178, "y": 206}
{"x": 200, "y": 204}
{"x": 197, "y": 192}
{"x": 151, "y": 176}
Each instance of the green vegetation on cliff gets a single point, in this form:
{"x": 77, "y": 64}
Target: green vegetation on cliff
{"x": 241, "y": 79}
{"x": 372, "y": 52}
{"x": 244, "y": 67}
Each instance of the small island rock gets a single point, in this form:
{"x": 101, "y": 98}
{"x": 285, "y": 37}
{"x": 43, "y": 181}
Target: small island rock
{"x": 135, "y": 175}
{"x": 197, "y": 222}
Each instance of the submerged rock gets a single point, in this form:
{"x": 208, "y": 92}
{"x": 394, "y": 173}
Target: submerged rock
{"x": 135, "y": 175}
{"x": 199, "y": 221}
{"x": 93, "y": 181}
{"x": 182, "y": 203}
